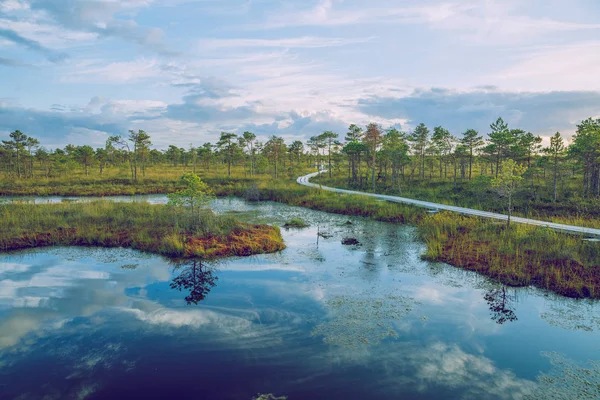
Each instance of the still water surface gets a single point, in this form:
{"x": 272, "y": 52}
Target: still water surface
{"x": 320, "y": 320}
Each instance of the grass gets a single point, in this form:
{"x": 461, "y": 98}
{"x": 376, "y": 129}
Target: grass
{"x": 160, "y": 179}
{"x": 529, "y": 202}
{"x": 157, "y": 229}
{"x": 519, "y": 256}
{"x": 296, "y": 223}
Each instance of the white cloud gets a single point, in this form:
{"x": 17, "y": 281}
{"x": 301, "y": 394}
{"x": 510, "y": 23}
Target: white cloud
{"x": 114, "y": 72}
{"x": 291, "y": 82}
{"x": 325, "y": 14}
{"x": 46, "y": 34}
{"x": 18, "y": 323}
{"x": 191, "y": 318}
{"x": 13, "y": 5}
{"x": 474, "y": 375}
{"x": 485, "y": 22}
{"x": 13, "y": 267}
{"x": 569, "y": 67}
{"x": 298, "y": 42}
{"x": 498, "y": 22}
{"x": 135, "y": 107}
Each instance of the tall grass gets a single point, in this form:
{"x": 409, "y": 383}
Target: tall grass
{"x": 520, "y": 255}
{"x": 159, "y": 179}
{"x": 154, "y": 228}
{"x": 478, "y": 194}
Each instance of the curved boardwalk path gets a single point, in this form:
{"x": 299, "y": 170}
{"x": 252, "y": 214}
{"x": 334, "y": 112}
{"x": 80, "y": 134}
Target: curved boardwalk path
{"x": 303, "y": 180}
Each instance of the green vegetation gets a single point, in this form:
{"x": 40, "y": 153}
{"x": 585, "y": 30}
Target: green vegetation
{"x": 559, "y": 183}
{"x": 194, "y": 194}
{"x": 296, "y": 223}
{"x": 358, "y": 321}
{"x": 519, "y": 256}
{"x": 506, "y": 182}
{"x": 269, "y": 396}
{"x": 159, "y": 229}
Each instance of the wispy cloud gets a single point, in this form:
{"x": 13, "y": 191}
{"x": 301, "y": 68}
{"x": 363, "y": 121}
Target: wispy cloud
{"x": 479, "y": 21}
{"x": 9, "y": 62}
{"x": 299, "y": 42}
{"x": 293, "y": 68}
{"x": 30, "y": 44}
{"x": 568, "y": 67}
{"x": 86, "y": 20}
{"x": 542, "y": 113}
{"x": 47, "y": 35}
{"x": 324, "y": 13}
{"x": 113, "y": 72}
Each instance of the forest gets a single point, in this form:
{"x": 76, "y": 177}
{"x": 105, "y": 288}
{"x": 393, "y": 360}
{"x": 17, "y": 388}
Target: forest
{"x": 559, "y": 179}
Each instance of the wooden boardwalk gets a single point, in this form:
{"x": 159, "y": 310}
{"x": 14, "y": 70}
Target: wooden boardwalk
{"x": 304, "y": 180}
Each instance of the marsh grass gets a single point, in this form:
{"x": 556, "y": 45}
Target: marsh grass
{"x": 160, "y": 179}
{"x": 157, "y": 229}
{"x": 519, "y": 256}
{"x": 478, "y": 194}
{"x": 296, "y": 223}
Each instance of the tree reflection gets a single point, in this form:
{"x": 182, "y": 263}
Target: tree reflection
{"x": 501, "y": 305}
{"x": 195, "y": 276}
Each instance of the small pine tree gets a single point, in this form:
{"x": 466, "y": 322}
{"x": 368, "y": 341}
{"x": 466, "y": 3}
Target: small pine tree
{"x": 507, "y": 181}
{"x": 195, "y": 195}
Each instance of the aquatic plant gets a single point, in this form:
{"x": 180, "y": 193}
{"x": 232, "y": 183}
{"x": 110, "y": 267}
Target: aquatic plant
{"x": 295, "y": 223}
{"x": 269, "y": 396}
{"x": 568, "y": 380}
{"x": 573, "y": 315}
{"x": 364, "y": 320}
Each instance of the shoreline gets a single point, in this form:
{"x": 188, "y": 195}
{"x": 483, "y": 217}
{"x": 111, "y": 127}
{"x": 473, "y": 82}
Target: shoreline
{"x": 521, "y": 256}
{"x": 109, "y": 224}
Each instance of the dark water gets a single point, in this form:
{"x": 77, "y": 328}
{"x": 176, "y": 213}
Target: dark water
{"x": 320, "y": 320}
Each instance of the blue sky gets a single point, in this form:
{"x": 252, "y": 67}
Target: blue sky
{"x": 77, "y": 71}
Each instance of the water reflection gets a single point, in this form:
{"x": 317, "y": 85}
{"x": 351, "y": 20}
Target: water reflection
{"x": 195, "y": 276}
{"x": 501, "y": 305}
{"x": 351, "y": 322}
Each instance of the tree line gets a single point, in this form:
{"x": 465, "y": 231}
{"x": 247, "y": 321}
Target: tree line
{"x": 369, "y": 156}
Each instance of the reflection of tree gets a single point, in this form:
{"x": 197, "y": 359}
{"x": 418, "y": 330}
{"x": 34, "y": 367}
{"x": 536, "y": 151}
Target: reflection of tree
{"x": 196, "y": 277}
{"x": 501, "y": 305}
{"x": 370, "y": 263}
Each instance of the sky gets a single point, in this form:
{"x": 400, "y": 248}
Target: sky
{"x": 78, "y": 71}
